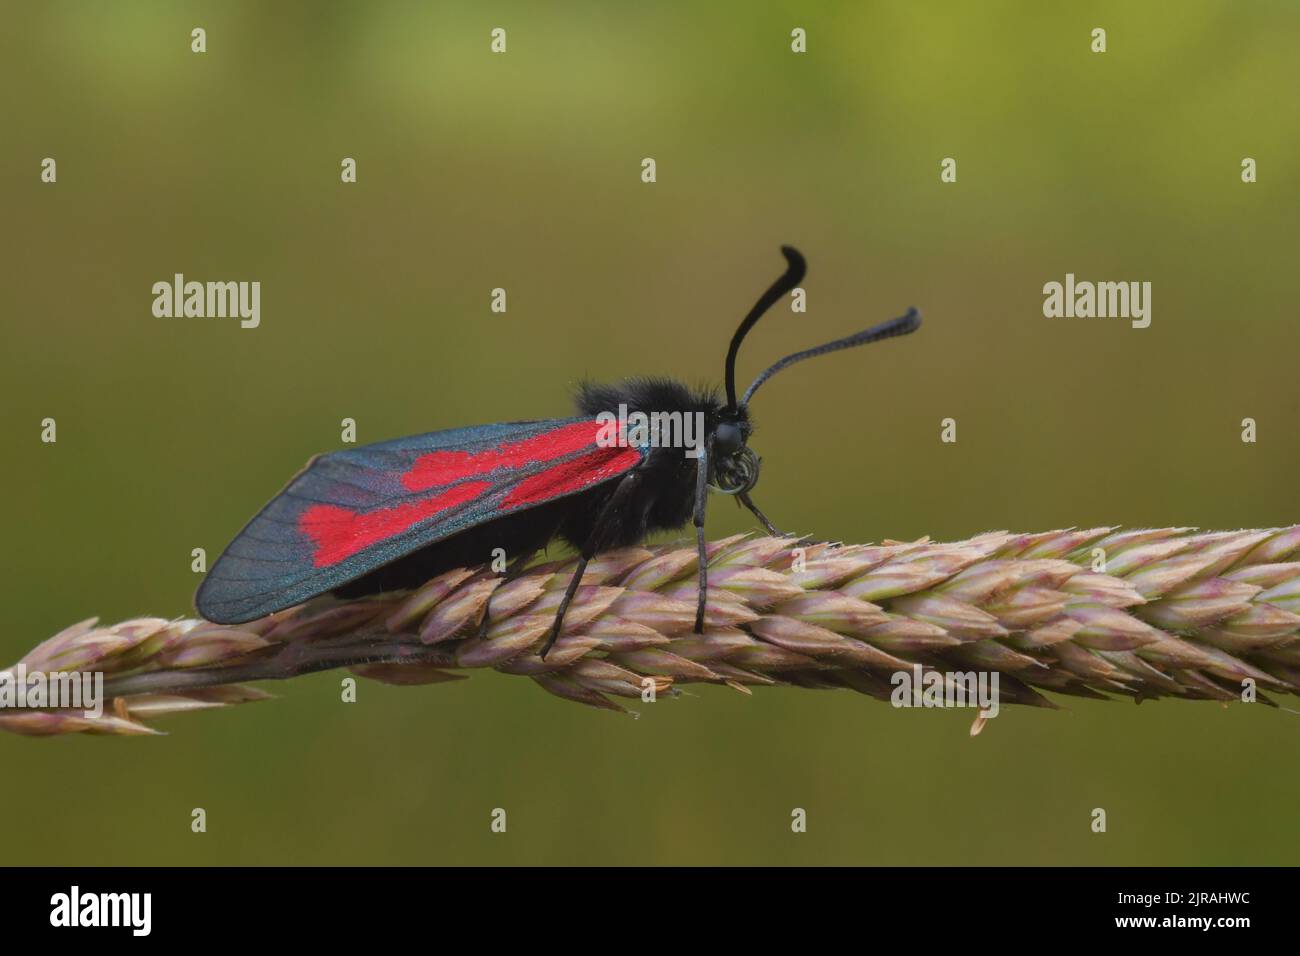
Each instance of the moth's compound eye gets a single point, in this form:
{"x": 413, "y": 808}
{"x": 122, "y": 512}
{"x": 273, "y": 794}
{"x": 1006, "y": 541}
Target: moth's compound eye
{"x": 727, "y": 439}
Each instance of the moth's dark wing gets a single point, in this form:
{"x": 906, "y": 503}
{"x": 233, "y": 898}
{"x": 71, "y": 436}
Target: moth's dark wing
{"x": 349, "y": 512}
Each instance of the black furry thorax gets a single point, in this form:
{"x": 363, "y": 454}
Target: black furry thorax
{"x": 650, "y": 395}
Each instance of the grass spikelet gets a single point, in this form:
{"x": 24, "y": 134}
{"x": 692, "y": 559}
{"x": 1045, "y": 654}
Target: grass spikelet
{"x": 1174, "y": 613}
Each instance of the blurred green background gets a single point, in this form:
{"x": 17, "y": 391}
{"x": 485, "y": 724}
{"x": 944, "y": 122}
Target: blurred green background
{"x": 523, "y": 171}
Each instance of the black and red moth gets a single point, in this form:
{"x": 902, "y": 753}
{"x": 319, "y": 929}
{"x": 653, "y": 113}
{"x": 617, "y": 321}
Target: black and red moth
{"x": 391, "y": 515}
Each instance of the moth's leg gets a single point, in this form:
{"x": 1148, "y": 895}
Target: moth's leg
{"x": 513, "y": 570}
{"x": 564, "y": 604}
{"x": 748, "y": 502}
{"x": 701, "y": 501}
{"x": 625, "y": 488}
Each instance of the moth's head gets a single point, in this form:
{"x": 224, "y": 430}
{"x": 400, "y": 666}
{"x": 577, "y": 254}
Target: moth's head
{"x": 734, "y": 464}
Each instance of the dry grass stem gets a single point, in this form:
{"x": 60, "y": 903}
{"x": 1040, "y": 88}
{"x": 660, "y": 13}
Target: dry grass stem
{"x": 1176, "y": 613}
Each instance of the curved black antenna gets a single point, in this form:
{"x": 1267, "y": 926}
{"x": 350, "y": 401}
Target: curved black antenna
{"x": 885, "y": 330}
{"x": 794, "y": 274}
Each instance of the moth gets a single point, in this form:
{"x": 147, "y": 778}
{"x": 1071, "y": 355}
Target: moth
{"x": 391, "y": 515}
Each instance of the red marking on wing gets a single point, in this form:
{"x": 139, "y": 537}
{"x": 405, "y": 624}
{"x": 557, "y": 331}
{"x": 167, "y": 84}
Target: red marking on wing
{"x": 338, "y": 533}
{"x": 574, "y": 475}
{"x": 440, "y": 468}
